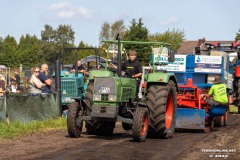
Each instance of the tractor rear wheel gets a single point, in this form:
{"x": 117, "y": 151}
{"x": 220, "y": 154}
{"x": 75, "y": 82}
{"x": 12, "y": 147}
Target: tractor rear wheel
{"x": 162, "y": 103}
{"x": 95, "y": 127}
{"x": 140, "y": 124}
{"x": 74, "y": 120}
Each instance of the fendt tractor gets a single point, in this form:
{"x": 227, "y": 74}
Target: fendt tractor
{"x": 111, "y": 94}
{"x": 195, "y": 74}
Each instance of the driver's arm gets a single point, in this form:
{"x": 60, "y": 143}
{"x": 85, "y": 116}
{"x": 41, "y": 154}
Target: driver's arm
{"x": 137, "y": 75}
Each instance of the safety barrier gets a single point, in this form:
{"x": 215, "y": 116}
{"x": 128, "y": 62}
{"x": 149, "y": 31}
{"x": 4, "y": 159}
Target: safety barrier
{"x": 26, "y": 108}
{"x": 2, "y": 109}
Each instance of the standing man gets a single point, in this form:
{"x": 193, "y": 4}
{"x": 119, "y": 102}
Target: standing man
{"x": 16, "y": 77}
{"x": 43, "y": 76}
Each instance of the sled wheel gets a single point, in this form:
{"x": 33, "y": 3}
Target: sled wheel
{"x": 219, "y": 121}
{"x": 226, "y": 119}
{"x": 140, "y": 124}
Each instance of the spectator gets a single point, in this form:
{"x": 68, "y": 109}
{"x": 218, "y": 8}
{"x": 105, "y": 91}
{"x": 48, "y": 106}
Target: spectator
{"x": 36, "y": 85}
{"x": 2, "y": 76}
{"x": 43, "y": 76}
{"x": 16, "y": 77}
{"x": 14, "y": 87}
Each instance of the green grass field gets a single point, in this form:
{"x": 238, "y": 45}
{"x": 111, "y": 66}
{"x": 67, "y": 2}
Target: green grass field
{"x": 16, "y": 129}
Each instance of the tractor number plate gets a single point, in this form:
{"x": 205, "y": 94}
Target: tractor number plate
{"x": 104, "y": 90}
{"x": 103, "y": 109}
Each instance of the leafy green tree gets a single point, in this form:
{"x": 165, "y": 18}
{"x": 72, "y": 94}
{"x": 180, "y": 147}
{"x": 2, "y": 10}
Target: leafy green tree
{"x": 175, "y": 37}
{"x": 8, "y": 49}
{"x": 238, "y": 35}
{"x": 138, "y": 32}
{"x": 53, "y": 42}
{"x": 28, "y": 51}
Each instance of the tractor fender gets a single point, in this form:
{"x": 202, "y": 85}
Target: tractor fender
{"x": 237, "y": 71}
{"x": 159, "y": 77}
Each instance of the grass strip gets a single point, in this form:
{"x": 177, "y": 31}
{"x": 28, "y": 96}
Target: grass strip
{"x": 16, "y": 129}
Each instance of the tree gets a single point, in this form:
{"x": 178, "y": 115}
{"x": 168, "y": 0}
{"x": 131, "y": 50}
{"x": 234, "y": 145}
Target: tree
{"x": 138, "y": 32}
{"x": 8, "y": 55}
{"x": 28, "y": 51}
{"x": 175, "y": 37}
{"x": 109, "y": 31}
{"x": 53, "y": 41}
{"x": 238, "y": 35}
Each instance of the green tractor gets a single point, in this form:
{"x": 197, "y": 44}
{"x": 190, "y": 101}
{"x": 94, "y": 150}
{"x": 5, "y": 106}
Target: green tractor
{"x": 110, "y": 98}
{"x": 73, "y": 85}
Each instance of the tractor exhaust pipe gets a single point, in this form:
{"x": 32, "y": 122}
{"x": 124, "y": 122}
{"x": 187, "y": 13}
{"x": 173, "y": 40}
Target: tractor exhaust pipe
{"x": 119, "y": 62}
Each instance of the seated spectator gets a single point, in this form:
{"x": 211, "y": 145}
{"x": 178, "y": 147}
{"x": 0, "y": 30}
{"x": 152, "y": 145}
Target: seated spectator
{"x": 35, "y": 84}
{"x": 2, "y": 87}
{"x": 2, "y": 76}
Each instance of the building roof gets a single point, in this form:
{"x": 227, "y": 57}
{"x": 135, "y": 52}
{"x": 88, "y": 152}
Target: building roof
{"x": 188, "y": 47}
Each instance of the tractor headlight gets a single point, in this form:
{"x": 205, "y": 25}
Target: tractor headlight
{"x": 112, "y": 97}
{"x": 97, "y": 97}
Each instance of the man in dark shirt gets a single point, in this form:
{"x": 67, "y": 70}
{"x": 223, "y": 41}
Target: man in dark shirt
{"x": 133, "y": 68}
{"x": 43, "y": 76}
{"x": 80, "y": 67}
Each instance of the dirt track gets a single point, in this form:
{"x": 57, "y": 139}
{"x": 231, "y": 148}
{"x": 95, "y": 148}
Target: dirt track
{"x": 57, "y": 145}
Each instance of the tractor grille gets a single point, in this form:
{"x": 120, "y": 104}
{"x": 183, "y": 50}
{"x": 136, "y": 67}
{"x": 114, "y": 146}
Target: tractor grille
{"x": 69, "y": 87}
{"x": 104, "y": 97}
{"x": 105, "y": 86}
{"x": 126, "y": 94}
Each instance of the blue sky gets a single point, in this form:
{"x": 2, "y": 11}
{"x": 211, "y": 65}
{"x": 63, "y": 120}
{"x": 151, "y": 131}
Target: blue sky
{"x": 212, "y": 19}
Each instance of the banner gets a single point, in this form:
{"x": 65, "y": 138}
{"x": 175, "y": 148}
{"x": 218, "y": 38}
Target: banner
{"x": 26, "y": 108}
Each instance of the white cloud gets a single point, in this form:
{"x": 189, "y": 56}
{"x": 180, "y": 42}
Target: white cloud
{"x": 66, "y": 14}
{"x": 170, "y": 21}
{"x": 64, "y": 10}
{"x": 59, "y": 6}
{"x": 85, "y": 13}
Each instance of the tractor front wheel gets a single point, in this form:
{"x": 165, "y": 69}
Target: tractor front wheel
{"x": 140, "y": 124}
{"x": 74, "y": 120}
{"x": 95, "y": 127}
{"x": 162, "y": 103}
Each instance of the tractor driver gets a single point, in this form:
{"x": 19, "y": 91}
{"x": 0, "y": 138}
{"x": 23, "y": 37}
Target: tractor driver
{"x": 217, "y": 94}
{"x": 81, "y": 68}
{"x": 133, "y": 69}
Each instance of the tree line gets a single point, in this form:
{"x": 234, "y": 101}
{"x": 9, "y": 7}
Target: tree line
{"x": 32, "y": 51}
